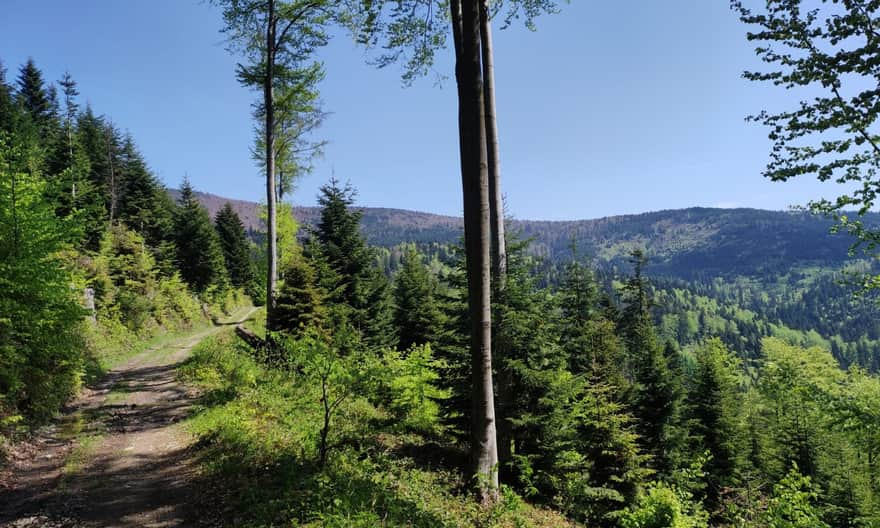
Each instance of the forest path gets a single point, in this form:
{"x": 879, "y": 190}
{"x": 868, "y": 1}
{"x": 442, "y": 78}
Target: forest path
{"x": 118, "y": 456}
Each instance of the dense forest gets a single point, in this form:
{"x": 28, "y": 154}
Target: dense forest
{"x": 707, "y": 401}
{"x": 679, "y": 369}
{"x": 95, "y": 255}
{"x": 742, "y": 274}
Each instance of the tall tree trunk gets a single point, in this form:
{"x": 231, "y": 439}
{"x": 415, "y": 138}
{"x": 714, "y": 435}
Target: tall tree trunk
{"x": 114, "y": 191}
{"x": 496, "y": 218}
{"x": 70, "y": 159}
{"x": 475, "y": 189}
{"x": 268, "y": 97}
{"x": 496, "y": 202}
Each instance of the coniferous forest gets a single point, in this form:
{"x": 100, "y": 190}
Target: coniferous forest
{"x": 161, "y": 365}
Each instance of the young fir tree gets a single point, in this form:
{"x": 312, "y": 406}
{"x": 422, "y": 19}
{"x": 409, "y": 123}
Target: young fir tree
{"x": 529, "y": 359}
{"x": 600, "y": 465}
{"x": 301, "y": 301}
{"x": 236, "y": 249}
{"x": 376, "y": 317}
{"x": 657, "y": 392}
{"x": 714, "y": 409}
{"x": 199, "y": 256}
{"x": 355, "y": 283}
{"x": 143, "y": 202}
{"x": 589, "y": 336}
{"x": 417, "y": 314}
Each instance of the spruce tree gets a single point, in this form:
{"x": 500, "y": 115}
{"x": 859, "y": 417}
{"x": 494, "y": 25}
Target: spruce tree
{"x": 657, "y": 393}
{"x": 355, "y": 282}
{"x": 301, "y": 301}
{"x": 236, "y": 249}
{"x": 90, "y": 130}
{"x": 589, "y": 337}
{"x": 343, "y": 247}
{"x": 375, "y": 317}
{"x": 61, "y": 152}
{"x": 32, "y": 95}
{"x": 417, "y": 314}
{"x": 144, "y": 204}
{"x": 199, "y": 256}
{"x": 714, "y": 409}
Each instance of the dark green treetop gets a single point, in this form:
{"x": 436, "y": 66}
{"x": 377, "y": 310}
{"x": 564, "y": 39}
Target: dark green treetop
{"x": 33, "y": 95}
{"x": 236, "y": 249}
{"x": 417, "y": 313}
{"x": 199, "y": 256}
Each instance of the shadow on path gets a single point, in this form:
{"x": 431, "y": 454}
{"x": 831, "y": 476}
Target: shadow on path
{"x": 117, "y": 457}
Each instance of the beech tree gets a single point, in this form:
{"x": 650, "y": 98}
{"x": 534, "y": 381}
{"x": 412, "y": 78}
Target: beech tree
{"x": 412, "y": 31}
{"x": 278, "y": 38}
{"x": 827, "y": 54}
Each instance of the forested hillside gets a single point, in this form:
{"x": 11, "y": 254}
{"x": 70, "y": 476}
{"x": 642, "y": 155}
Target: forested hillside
{"x": 741, "y": 274}
{"x": 95, "y": 258}
{"x": 674, "y": 369}
{"x": 695, "y": 243}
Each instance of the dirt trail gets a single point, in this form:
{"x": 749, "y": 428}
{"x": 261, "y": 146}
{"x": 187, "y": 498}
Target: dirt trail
{"x": 118, "y": 457}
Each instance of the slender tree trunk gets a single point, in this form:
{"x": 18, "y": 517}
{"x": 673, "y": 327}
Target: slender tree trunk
{"x": 496, "y": 202}
{"x": 496, "y": 218}
{"x": 114, "y": 192}
{"x": 325, "y": 429}
{"x": 268, "y": 97}
{"x": 70, "y": 158}
{"x": 475, "y": 188}
{"x": 14, "y": 197}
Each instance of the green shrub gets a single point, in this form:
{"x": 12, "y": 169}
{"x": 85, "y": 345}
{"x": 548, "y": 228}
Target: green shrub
{"x": 663, "y": 507}
{"x": 793, "y": 504}
{"x": 260, "y": 429}
{"x": 408, "y": 387}
{"x": 42, "y": 351}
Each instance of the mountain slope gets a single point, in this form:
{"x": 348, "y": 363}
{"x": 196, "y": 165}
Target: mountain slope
{"x": 683, "y": 243}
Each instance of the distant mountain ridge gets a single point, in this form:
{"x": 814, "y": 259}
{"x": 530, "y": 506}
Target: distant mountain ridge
{"x": 683, "y": 243}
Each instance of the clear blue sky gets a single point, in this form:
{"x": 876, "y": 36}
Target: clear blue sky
{"x": 609, "y": 108}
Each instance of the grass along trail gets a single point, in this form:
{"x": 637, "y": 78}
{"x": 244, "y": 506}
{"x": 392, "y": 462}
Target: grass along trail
{"x": 118, "y": 456}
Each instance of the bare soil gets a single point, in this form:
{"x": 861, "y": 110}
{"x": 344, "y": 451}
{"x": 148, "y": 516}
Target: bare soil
{"x": 117, "y": 457}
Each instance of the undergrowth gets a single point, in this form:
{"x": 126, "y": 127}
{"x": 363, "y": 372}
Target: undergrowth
{"x": 259, "y": 432}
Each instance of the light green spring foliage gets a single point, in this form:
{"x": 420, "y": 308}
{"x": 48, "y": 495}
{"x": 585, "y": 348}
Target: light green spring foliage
{"x": 825, "y": 54}
{"x": 261, "y": 426}
{"x": 409, "y": 388}
{"x": 793, "y": 504}
{"x": 130, "y": 290}
{"x": 411, "y": 32}
{"x": 823, "y": 421}
{"x": 663, "y": 506}
{"x": 289, "y": 249}
{"x": 41, "y": 344}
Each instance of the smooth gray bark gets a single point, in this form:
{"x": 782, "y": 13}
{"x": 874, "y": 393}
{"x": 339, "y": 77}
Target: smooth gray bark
{"x": 268, "y": 97}
{"x": 496, "y": 218}
{"x": 475, "y": 189}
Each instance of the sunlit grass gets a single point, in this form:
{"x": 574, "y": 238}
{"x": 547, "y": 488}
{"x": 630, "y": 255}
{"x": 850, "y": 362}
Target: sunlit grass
{"x": 258, "y": 431}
